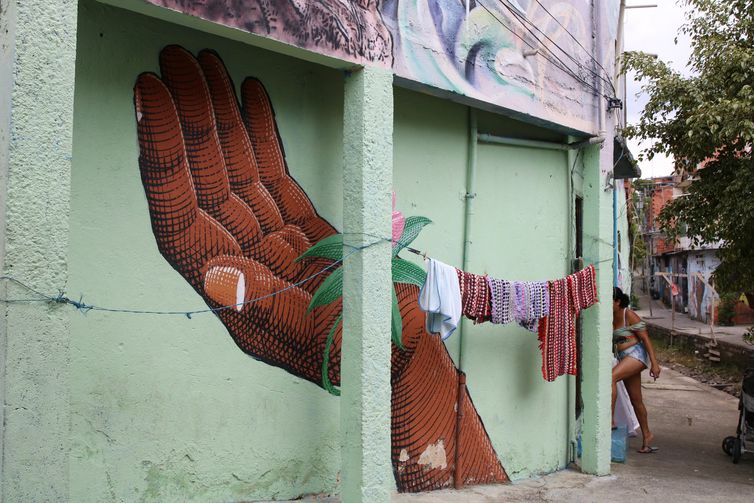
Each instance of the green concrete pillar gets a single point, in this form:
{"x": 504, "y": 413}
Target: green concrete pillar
{"x": 37, "y": 63}
{"x": 597, "y": 320}
{"x": 365, "y": 359}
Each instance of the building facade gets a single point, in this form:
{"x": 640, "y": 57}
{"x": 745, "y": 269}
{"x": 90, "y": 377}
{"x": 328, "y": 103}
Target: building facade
{"x": 165, "y": 163}
{"x": 689, "y": 266}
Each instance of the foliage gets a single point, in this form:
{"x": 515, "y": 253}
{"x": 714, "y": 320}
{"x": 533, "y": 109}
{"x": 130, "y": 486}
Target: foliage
{"x": 705, "y": 120}
{"x": 749, "y": 336}
{"x": 726, "y": 310}
{"x": 638, "y": 246}
{"x": 635, "y": 302}
{"x": 331, "y": 288}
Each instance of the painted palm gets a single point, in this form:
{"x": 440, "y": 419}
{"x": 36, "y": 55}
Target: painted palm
{"x": 229, "y": 218}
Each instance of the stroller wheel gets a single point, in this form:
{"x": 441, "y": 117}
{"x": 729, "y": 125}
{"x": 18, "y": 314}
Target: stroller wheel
{"x": 728, "y": 445}
{"x": 736, "y": 451}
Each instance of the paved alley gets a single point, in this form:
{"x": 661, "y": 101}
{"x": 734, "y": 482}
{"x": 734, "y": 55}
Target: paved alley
{"x": 689, "y": 419}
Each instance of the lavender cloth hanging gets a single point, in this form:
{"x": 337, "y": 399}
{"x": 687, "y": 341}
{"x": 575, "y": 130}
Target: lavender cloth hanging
{"x": 531, "y": 302}
{"x": 501, "y": 301}
{"x": 524, "y": 302}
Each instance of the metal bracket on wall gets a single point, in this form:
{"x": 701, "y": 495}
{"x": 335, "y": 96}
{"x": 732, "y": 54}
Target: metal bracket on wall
{"x": 614, "y": 104}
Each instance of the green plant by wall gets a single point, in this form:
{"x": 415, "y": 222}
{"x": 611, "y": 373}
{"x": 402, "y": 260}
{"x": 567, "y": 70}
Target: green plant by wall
{"x": 635, "y": 302}
{"x": 331, "y": 289}
{"x": 749, "y": 336}
{"x": 727, "y": 308}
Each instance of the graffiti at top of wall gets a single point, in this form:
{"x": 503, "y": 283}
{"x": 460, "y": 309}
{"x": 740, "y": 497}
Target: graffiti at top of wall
{"x": 351, "y": 30}
{"x": 229, "y": 218}
{"x": 528, "y": 55}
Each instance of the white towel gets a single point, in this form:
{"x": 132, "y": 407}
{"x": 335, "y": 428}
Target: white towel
{"x": 440, "y": 297}
{"x": 624, "y": 411}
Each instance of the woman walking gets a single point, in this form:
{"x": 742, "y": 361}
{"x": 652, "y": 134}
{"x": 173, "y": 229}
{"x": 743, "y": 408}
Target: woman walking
{"x": 635, "y": 353}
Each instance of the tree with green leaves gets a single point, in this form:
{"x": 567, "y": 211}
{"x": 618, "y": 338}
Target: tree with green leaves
{"x": 706, "y": 122}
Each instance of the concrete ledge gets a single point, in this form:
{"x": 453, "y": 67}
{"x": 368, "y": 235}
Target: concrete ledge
{"x": 737, "y": 354}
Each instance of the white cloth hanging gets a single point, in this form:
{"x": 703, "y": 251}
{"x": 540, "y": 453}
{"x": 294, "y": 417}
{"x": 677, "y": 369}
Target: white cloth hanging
{"x": 624, "y": 411}
{"x": 440, "y": 297}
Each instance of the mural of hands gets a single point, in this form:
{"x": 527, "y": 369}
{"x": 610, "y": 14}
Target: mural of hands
{"x": 227, "y": 215}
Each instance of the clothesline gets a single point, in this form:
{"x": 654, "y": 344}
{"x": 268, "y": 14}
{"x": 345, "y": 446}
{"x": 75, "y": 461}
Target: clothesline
{"x": 547, "y": 308}
{"x": 83, "y": 307}
{"x": 426, "y": 256}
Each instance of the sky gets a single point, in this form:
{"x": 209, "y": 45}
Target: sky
{"x": 652, "y": 30}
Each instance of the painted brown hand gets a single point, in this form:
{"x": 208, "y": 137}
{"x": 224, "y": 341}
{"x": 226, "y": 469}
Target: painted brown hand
{"x": 227, "y": 215}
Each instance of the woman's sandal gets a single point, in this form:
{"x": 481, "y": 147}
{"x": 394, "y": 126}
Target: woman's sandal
{"x": 646, "y": 449}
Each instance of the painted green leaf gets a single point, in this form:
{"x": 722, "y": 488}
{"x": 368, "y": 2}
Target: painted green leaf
{"x": 326, "y": 361}
{"x": 408, "y": 272}
{"x": 329, "y": 291}
{"x": 330, "y": 247}
{"x": 397, "y": 323}
{"x": 413, "y": 227}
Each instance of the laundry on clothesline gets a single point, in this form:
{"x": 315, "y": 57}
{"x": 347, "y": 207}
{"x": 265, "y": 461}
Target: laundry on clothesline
{"x": 440, "y": 297}
{"x": 557, "y": 331}
{"x": 523, "y": 302}
{"x": 547, "y": 308}
{"x": 532, "y": 302}
{"x": 475, "y": 296}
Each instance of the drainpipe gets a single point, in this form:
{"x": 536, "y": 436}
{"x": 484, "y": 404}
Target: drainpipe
{"x": 618, "y": 60}
{"x": 468, "y": 206}
{"x": 601, "y": 120}
{"x": 549, "y": 145}
{"x": 615, "y": 233}
{"x": 468, "y": 214}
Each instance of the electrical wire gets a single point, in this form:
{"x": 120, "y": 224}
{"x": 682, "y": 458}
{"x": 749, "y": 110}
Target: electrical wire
{"x": 594, "y": 90}
{"x": 523, "y": 19}
{"x": 85, "y": 308}
{"x": 560, "y": 63}
{"x": 574, "y": 39}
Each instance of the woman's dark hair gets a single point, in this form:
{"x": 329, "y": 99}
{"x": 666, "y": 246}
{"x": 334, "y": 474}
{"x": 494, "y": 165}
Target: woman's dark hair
{"x": 621, "y": 297}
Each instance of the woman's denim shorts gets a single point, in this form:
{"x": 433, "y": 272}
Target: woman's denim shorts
{"x": 638, "y": 352}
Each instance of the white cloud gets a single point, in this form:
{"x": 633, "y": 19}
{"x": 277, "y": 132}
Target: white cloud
{"x": 653, "y": 30}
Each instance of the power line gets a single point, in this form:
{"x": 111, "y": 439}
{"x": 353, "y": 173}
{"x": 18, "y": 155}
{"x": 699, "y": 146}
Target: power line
{"x": 574, "y": 39}
{"x": 547, "y": 53}
{"x": 522, "y": 18}
{"x": 559, "y": 64}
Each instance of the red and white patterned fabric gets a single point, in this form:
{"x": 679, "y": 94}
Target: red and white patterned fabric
{"x": 475, "y": 296}
{"x": 557, "y": 331}
{"x": 582, "y": 287}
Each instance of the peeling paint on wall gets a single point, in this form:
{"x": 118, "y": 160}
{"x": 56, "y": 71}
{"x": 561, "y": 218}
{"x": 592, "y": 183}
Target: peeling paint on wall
{"x": 434, "y": 456}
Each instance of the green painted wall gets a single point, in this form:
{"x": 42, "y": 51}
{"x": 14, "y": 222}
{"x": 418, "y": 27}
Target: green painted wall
{"x": 522, "y": 215}
{"x": 169, "y": 409}
{"x": 624, "y": 243}
{"x": 37, "y": 59}
{"x": 520, "y": 231}
{"x": 365, "y": 403}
